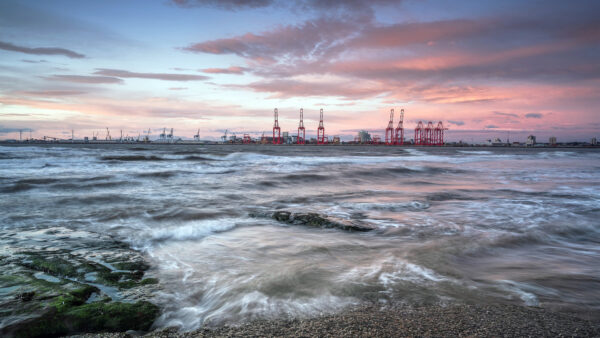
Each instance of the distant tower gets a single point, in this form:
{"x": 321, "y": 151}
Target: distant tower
{"x": 399, "y": 134}
{"x": 276, "y": 129}
{"x": 429, "y": 134}
{"x": 389, "y": 131}
{"x": 321, "y": 129}
{"x": 301, "y": 130}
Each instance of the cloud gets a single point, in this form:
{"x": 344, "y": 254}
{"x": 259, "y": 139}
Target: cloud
{"x": 491, "y": 126}
{"x": 291, "y": 88}
{"x": 457, "y": 123}
{"x": 225, "y": 4}
{"x": 85, "y": 79}
{"x": 300, "y": 5}
{"x": 230, "y": 70}
{"x": 505, "y": 114}
{"x": 50, "y": 93}
{"x": 311, "y": 39}
{"x": 178, "y": 88}
{"x": 40, "y": 50}
{"x": 34, "y": 61}
{"x": 4, "y": 130}
{"x": 533, "y": 116}
{"x": 156, "y": 76}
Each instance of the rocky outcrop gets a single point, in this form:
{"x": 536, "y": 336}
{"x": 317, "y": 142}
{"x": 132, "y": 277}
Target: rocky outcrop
{"x": 316, "y": 220}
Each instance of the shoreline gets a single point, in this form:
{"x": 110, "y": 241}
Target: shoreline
{"x": 474, "y": 320}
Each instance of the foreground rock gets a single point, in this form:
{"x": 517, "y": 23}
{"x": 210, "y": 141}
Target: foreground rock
{"x": 60, "y": 281}
{"x": 316, "y": 220}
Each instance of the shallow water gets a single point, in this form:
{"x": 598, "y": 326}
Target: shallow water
{"x": 451, "y": 225}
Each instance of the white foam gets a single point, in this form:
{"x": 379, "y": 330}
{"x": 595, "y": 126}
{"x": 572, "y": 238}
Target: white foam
{"x": 191, "y": 230}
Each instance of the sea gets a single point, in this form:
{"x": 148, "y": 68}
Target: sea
{"x": 450, "y": 225}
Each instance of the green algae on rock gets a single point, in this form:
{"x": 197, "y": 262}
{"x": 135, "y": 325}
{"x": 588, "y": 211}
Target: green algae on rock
{"x": 54, "y": 283}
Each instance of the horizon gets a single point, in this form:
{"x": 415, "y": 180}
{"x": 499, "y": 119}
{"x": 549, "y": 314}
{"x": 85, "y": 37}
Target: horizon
{"x": 484, "y": 69}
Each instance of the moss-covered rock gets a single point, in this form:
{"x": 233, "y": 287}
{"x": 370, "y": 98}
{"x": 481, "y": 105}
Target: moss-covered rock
{"x": 93, "y": 317}
{"x": 54, "y": 266}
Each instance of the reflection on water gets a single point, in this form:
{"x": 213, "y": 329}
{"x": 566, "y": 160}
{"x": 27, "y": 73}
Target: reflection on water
{"x": 452, "y": 225}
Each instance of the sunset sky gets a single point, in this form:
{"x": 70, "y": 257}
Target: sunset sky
{"x": 484, "y": 68}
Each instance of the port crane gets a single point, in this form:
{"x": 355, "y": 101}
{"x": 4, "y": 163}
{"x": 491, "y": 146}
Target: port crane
{"x": 389, "y": 131}
{"x": 399, "y": 134}
{"x": 224, "y": 137}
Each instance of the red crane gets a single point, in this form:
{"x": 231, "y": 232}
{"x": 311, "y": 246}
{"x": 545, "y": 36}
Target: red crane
{"x": 247, "y": 139}
{"x": 438, "y": 134}
{"x": 419, "y": 133}
{"x": 389, "y": 131}
{"x": 276, "y": 128}
{"x": 321, "y": 130}
{"x": 429, "y": 134}
{"x": 399, "y": 134}
{"x": 301, "y": 131}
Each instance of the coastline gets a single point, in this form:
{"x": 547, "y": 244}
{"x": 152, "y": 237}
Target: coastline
{"x": 473, "y": 320}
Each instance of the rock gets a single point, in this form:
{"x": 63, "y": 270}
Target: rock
{"x": 316, "y": 220}
{"x": 92, "y": 317}
{"x": 282, "y": 216}
{"x": 26, "y": 296}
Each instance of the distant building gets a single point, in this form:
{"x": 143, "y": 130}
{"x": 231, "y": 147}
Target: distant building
{"x": 530, "y": 141}
{"x": 552, "y": 141}
{"x": 497, "y": 142}
{"x": 594, "y": 142}
{"x": 364, "y": 136}
{"x": 336, "y": 140}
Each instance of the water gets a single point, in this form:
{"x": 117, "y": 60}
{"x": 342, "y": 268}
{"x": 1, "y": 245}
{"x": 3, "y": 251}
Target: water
{"x": 451, "y": 225}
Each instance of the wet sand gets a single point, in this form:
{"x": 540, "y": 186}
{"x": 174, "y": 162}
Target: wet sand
{"x": 427, "y": 321}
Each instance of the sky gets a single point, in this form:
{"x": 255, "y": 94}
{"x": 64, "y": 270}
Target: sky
{"x": 485, "y": 69}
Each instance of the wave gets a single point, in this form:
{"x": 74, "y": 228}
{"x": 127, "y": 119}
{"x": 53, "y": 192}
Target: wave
{"x": 450, "y": 196}
{"x": 18, "y": 187}
{"x": 189, "y": 214}
{"x": 162, "y": 174}
{"x": 198, "y": 158}
{"x": 191, "y": 230}
{"x": 132, "y": 158}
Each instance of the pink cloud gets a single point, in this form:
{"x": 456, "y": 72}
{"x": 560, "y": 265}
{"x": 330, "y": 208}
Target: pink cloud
{"x": 231, "y": 70}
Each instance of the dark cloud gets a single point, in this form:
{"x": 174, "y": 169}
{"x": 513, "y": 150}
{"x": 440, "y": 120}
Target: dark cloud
{"x": 505, "y": 114}
{"x": 5, "y": 130}
{"x": 533, "y": 116}
{"x": 491, "y": 126}
{"x": 457, "y": 123}
{"x": 155, "y": 76}
{"x": 230, "y": 70}
{"x": 34, "y": 61}
{"x": 40, "y": 50}
{"x": 225, "y": 4}
{"x": 85, "y": 79}
{"x": 302, "y": 5}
